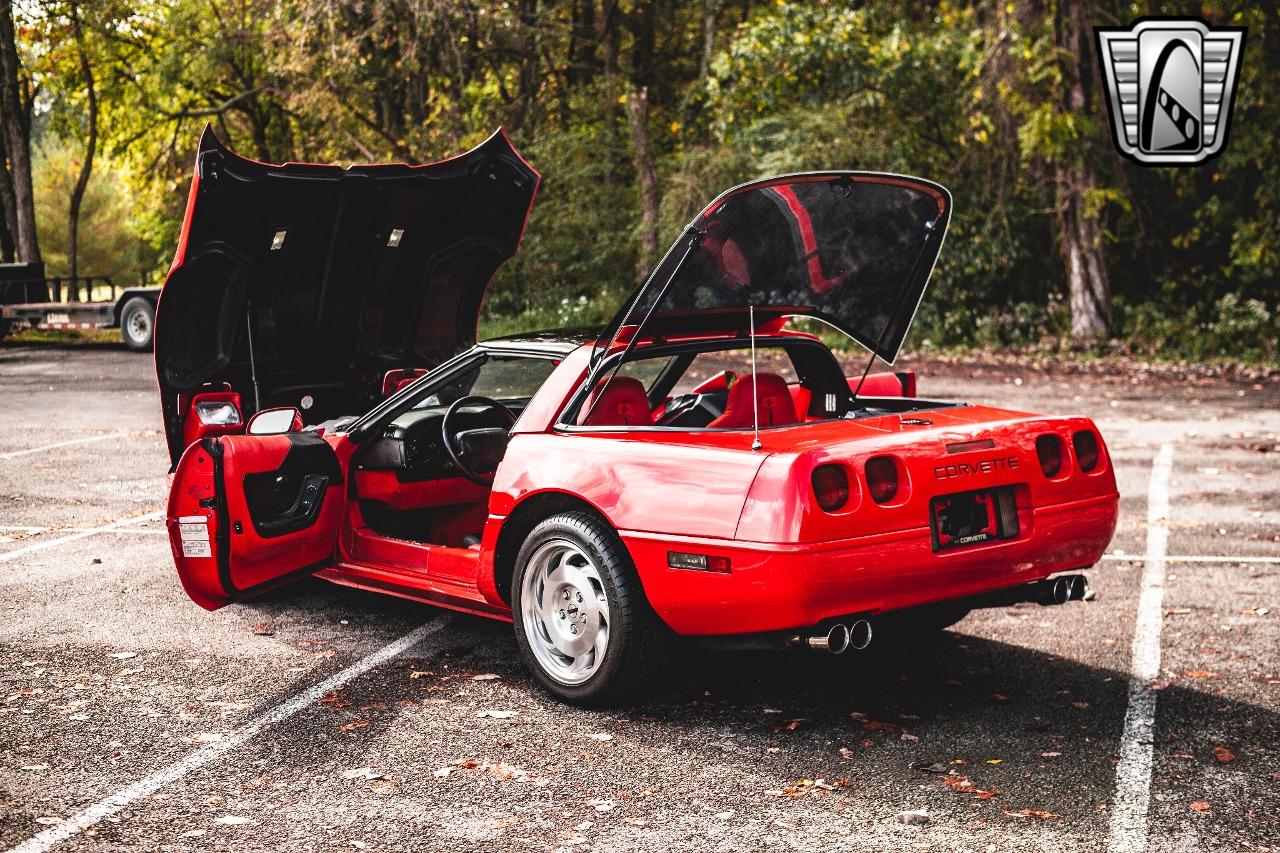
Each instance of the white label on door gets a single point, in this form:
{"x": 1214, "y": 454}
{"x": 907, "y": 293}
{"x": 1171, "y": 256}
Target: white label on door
{"x": 195, "y": 537}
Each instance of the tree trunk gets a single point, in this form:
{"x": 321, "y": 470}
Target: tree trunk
{"x": 1080, "y": 231}
{"x": 647, "y": 179}
{"x": 86, "y": 167}
{"x": 15, "y": 123}
{"x": 9, "y": 220}
{"x": 711, "y": 9}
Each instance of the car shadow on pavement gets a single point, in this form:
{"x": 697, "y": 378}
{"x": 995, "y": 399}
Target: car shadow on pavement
{"x": 1039, "y": 729}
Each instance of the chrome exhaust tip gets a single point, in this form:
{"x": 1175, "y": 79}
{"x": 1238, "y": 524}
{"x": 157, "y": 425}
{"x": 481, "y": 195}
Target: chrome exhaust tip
{"x": 1079, "y": 588}
{"x": 834, "y": 641}
{"x": 860, "y": 634}
{"x": 1062, "y": 590}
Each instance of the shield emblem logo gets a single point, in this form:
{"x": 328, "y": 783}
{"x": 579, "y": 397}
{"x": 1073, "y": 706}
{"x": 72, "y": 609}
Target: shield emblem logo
{"x": 1170, "y": 87}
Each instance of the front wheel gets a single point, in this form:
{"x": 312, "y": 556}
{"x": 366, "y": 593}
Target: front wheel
{"x": 138, "y": 324}
{"x": 583, "y": 625}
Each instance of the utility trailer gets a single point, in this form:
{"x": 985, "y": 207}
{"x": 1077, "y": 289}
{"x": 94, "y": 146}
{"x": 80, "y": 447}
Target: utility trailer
{"x": 25, "y": 298}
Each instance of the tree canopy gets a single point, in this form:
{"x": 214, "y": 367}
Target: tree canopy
{"x": 637, "y": 112}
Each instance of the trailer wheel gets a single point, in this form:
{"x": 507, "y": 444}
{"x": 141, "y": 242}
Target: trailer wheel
{"x": 138, "y": 324}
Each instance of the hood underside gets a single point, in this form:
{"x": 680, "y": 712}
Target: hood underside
{"x": 854, "y": 249}
{"x": 311, "y": 281}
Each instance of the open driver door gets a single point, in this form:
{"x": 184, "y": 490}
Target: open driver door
{"x": 251, "y": 512}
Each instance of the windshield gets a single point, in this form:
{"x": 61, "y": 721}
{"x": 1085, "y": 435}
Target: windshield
{"x": 502, "y": 378}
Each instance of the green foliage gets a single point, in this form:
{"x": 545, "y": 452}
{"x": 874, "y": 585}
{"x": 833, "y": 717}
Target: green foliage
{"x": 971, "y": 95}
{"x": 108, "y": 244}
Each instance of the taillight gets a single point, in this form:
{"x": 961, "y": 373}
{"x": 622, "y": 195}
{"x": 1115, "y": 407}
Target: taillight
{"x": 882, "y": 479}
{"x": 1086, "y": 447}
{"x": 830, "y": 486}
{"x": 1049, "y": 449}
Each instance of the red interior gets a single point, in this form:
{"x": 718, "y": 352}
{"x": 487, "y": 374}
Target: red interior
{"x": 774, "y": 403}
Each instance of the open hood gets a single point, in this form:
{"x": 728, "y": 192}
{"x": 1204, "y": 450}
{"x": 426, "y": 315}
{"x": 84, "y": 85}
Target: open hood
{"x": 302, "y": 284}
{"x": 854, "y": 249}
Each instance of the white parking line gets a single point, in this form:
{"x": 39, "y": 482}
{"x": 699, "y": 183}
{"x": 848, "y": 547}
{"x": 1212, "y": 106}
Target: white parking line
{"x": 1195, "y": 559}
{"x": 13, "y": 454}
{"x": 1133, "y": 773}
{"x": 81, "y": 821}
{"x": 83, "y": 534}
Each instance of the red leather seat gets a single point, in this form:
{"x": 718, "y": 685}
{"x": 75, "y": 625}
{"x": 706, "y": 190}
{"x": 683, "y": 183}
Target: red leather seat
{"x": 776, "y": 408}
{"x": 622, "y": 402}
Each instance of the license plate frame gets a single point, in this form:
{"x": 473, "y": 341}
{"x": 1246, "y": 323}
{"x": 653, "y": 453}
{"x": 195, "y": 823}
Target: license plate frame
{"x": 974, "y": 517}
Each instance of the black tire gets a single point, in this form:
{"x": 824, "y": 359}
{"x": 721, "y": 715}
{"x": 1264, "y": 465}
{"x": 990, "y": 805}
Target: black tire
{"x": 638, "y": 641}
{"x": 5, "y": 327}
{"x": 138, "y": 324}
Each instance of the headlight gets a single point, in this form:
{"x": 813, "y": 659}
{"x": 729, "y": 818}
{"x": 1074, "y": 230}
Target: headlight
{"x": 217, "y": 413}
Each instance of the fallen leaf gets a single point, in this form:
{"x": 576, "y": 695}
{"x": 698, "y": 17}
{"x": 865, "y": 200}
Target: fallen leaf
{"x": 353, "y": 725}
{"x": 1031, "y": 813}
{"x": 1199, "y": 673}
{"x": 1080, "y": 705}
{"x": 999, "y": 697}
{"x": 488, "y": 676}
{"x": 635, "y": 821}
{"x": 1050, "y": 754}
{"x": 497, "y": 715}
{"x": 1200, "y": 806}
{"x": 419, "y": 673}
{"x": 846, "y": 752}
{"x": 908, "y": 737}
{"x": 602, "y": 736}
{"x": 995, "y": 760}
{"x": 232, "y": 820}
{"x": 442, "y": 772}
{"x": 877, "y": 726}
{"x": 1223, "y": 754}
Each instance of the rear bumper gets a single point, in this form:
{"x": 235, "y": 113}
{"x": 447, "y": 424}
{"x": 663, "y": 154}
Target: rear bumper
{"x": 774, "y": 587}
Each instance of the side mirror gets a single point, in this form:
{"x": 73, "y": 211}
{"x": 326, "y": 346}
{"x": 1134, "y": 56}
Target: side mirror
{"x": 275, "y": 421}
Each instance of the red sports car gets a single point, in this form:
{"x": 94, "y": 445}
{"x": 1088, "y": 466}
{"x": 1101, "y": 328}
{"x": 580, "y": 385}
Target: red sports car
{"x": 698, "y": 468}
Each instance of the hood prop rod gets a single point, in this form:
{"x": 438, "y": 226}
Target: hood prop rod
{"x": 755, "y": 386}
{"x": 253, "y": 361}
{"x": 897, "y": 303}
{"x": 695, "y": 240}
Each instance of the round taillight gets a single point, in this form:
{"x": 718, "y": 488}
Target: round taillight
{"x": 882, "y": 479}
{"x": 1049, "y": 449}
{"x": 1086, "y": 447}
{"x": 830, "y": 486}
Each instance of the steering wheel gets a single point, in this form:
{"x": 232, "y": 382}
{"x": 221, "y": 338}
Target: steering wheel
{"x": 477, "y": 452}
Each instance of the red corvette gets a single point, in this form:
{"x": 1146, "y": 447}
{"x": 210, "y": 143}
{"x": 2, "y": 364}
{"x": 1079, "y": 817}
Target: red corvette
{"x": 698, "y": 468}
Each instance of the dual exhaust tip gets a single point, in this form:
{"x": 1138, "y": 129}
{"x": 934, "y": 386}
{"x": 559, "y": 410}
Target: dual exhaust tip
{"x": 1061, "y": 590}
{"x": 841, "y": 637}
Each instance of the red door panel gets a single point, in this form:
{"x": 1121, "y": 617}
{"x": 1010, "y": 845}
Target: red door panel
{"x": 247, "y": 513}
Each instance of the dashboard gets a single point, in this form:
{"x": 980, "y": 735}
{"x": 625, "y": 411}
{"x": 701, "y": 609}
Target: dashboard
{"x": 413, "y": 446}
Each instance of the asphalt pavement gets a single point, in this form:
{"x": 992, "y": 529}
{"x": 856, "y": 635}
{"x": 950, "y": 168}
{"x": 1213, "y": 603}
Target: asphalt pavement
{"x": 321, "y": 718}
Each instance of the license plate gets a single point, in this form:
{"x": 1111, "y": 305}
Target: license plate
{"x": 971, "y": 518}
{"x": 57, "y": 319}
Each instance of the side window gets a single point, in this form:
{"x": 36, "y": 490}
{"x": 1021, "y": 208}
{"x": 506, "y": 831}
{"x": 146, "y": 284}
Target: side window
{"x": 708, "y": 364}
{"x": 646, "y": 370}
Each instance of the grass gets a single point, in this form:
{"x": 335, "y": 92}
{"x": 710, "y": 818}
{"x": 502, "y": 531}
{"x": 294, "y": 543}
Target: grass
{"x": 64, "y": 337}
